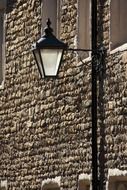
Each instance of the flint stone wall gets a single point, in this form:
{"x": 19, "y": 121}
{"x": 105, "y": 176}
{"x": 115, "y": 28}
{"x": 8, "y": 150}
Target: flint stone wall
{"x": 45, "y": 125}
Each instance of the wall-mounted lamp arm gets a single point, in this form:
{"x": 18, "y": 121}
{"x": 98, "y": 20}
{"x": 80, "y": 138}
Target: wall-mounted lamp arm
{"x": 85, "y": 50}
{"x": 97, "y": 56}
{"x": 97, "y": 51}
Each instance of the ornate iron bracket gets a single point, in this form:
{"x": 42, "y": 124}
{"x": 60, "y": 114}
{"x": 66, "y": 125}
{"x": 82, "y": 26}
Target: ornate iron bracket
{"x": 97, "y": 56}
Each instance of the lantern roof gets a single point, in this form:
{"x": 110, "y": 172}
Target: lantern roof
{"x": 48, "y": 40}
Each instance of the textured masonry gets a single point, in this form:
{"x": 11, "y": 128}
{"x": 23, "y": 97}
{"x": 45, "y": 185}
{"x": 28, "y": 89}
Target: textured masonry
{"x": 45, "y": 125}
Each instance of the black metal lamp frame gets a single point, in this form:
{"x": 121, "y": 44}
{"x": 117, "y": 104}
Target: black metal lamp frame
{"x": 47, "y": 41}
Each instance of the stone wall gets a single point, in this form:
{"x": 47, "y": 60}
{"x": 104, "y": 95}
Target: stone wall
{"x": 112, "y": 102}
{"x": 45, "y": 125}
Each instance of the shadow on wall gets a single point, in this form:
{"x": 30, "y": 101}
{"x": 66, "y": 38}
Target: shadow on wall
{"x": 11, "y": 4}
{"x": 101, "y": 110}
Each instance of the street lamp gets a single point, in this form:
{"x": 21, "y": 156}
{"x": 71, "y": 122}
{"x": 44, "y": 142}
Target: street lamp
{"x": 48, "y": 52}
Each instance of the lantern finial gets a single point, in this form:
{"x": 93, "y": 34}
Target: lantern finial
{"x": 48, "y": 23}
{"x": 48, "y": 30}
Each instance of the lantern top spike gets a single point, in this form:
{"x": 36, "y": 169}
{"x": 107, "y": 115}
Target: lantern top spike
{"x": 48, "y": 23}
{"x": 48, "y": 30}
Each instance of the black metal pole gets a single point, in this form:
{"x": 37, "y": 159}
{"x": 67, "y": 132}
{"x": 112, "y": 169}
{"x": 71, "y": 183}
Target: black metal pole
{"x": 95, "y": 184}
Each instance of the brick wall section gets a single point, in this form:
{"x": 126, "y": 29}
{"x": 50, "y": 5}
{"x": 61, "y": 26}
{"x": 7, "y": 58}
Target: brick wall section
{"x": 45, "y": 124}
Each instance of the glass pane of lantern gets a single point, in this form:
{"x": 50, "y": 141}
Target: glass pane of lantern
{"x": 51, "y": 60}
{"x": 39, "y": 62}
